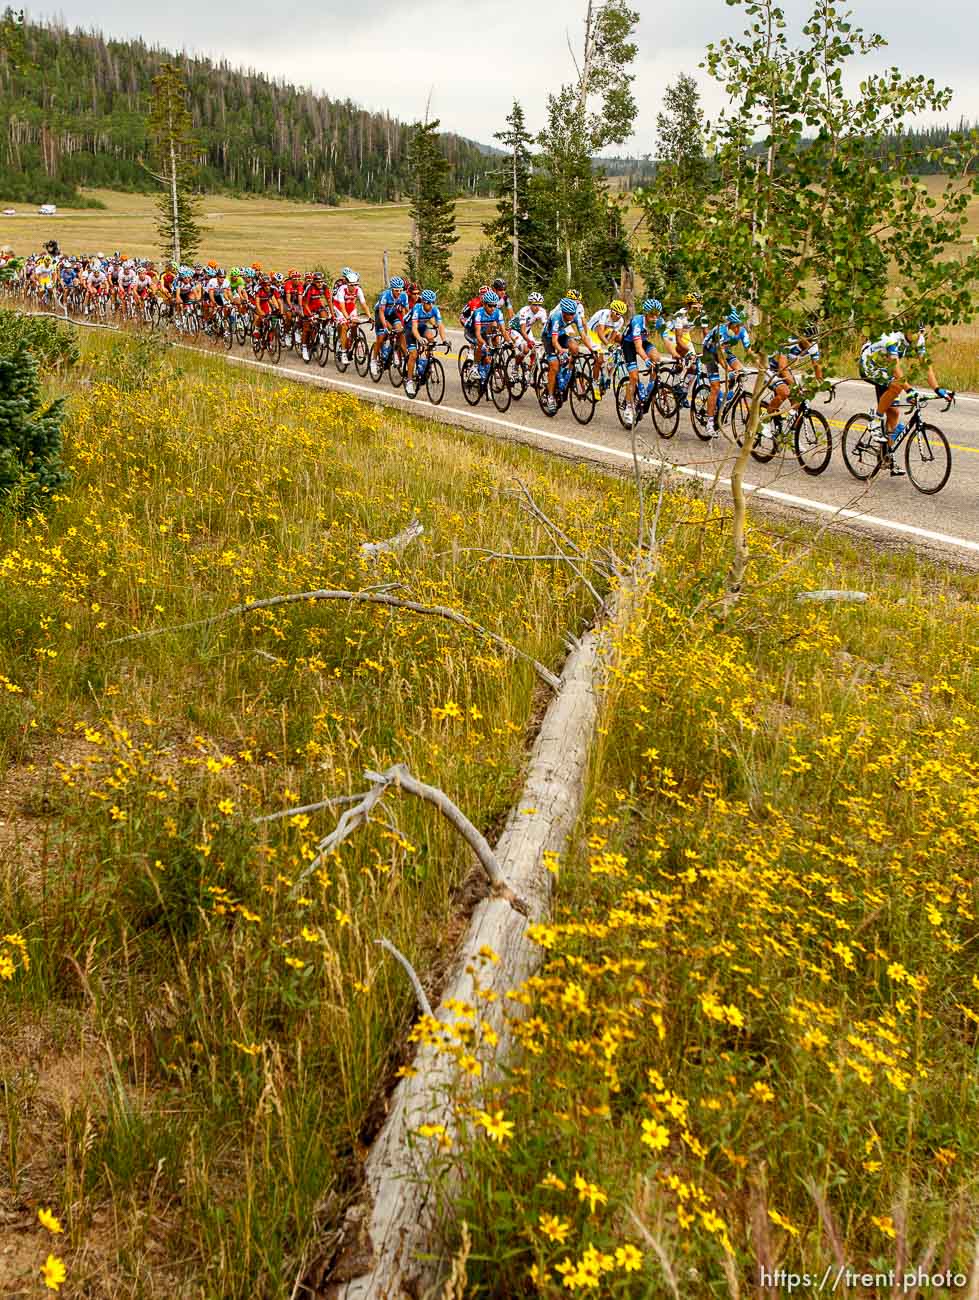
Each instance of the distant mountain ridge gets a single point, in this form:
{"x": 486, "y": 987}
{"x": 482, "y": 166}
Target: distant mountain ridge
{"x": 75, "y": 116}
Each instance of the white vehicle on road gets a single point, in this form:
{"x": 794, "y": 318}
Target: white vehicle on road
{"x": 47, "y": 210}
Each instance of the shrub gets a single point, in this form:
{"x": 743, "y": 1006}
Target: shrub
{"x": 31, "y": 469}
{"x": 54, "y": 345}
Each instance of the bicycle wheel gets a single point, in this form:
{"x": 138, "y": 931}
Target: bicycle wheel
{"x": 623, "y": 407}
{"x": 698, "y": 410}
{"x": 435, "y": 382}
{"x": 375, "y": 365}
{"x": 341, "y": 359}
{"x": 498, "y": 386}
{"x": 465, "y": 354}
{"x": 582, "y": 394}
{"x": 396, "y": 370}
{"x": 324, "y": 342}
{"x": 928, "y": 459}
{"x": 361, "y": 355}
{"x": 862, "y": 453}
{"x": 273, "y": 345}
{"x": 664, "y": 411}
{"x": 516, "y": 376}
{"x": 737, "y": 414}
{"x": 813, "y": 442}
{"x": 242, "y": 325}
{"x": 767, "y": 440}
{"x": 540, "y": 389}
{"x": 472, "y": 385}
{"x": 227, "y": 333}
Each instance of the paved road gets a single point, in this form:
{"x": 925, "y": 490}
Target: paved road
{"x": 947, "y": 523}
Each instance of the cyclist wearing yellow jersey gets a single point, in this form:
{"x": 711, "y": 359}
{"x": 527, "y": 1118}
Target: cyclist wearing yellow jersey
{"x": 604, "y": 332}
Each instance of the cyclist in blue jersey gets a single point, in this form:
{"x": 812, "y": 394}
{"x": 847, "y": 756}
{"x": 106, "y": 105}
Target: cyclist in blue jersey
{"x": 389, "y": 315}
{"x": 424, "y": 323}
{"x": 718, "y": 349}
{"x": 636, "y": 347}
{"x": 558, "y": 342}
{"x": 488, "y": 324}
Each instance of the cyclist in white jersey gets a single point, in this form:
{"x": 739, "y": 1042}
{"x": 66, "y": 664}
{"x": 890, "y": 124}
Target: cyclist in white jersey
{"x": 604, "y": 331}
{"x": 522, "y": 325}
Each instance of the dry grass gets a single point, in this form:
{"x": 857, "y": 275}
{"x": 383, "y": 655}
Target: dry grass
{"x": 275, "y": 232}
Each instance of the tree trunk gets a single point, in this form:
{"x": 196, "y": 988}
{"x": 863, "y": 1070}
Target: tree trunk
{"x": 175, "y": 207}
{"x": 516, "y": 237}
{"x": 390, "y": 1247}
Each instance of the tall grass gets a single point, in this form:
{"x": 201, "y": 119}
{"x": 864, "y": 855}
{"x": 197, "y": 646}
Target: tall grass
{"x": 753, "y": 1043}
{"x": 240, "y": 1038}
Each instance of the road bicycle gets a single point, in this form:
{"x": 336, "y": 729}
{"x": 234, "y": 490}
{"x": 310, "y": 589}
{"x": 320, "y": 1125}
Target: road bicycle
{"x": 806, "y": 430}
{"x": 867, "y": 447}
{"x": 522, "y": 369}
{"x": 429, "y": 373}
{"x": 357, "y": 349}
{"x": 732, "y": 407}
{"x": 657, "y": 396}
{"x": 488, "y": 379}
{"x": 267, "y": 338}
{"x": 573, "y": 383}
{"x": 388, "y": 356}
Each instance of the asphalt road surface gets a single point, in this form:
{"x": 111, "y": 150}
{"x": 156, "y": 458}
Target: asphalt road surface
{"x": 947, "y": 523}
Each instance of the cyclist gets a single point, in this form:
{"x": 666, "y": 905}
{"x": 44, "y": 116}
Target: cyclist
{"x": 880, "y": 365}
{"x": 389, "y": 311}
{"x": 499, "y": 288}
{"x": 798, "y": 350}
{"x": 636, "y": 347}
{"x": 488, "y": 325}
{"x": 315, "y": 308}
{"x": 718, "y": 348}
{"x": 348, "y": 296}
{"x": 522, "y": 326}
{"x": 604, "y": 333}
{"x": 292, "y": 293}
{"x": 425, "y": 322}
{"x": 558, "y": 342}
{"x": 676, "y": 332}
{"x": 469, "y": 311}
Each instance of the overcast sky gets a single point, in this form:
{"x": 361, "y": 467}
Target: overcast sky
{"x": 386, "y": 54}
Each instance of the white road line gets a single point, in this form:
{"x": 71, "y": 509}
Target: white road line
{"x": 755, "y": 489}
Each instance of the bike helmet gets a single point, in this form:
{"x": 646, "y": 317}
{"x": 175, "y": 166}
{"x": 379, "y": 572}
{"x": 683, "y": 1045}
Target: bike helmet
{"x": 499, "y": 284}
{"x": 412, "y": 287}
{"x": 483, "y": 288}
{"x": 574, "y": 295}
{"x": 256, "y": 266}
{"x": 353, "y": 278}
{"x": 491, "y": 299}
{"x": 618, "y": 306}
{"x": 397, "y": 284}
{"x": 429, "y": 296}
{"x": 278, "y": 277}
{"x": 347, "y": 274}
{"x": 569, "y": 306}
{"x": 734, "y": 317}
{"x": 536, "y": 299}
{"x": 651, "y": 305}
{"x": 691, "y": 300}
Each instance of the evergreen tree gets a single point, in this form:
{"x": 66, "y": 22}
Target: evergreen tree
{"x": 433, "y": 213}
{"x": 31, "y": 467}
{"x": 174, "y": 155}
{"x": 512, "y": 228}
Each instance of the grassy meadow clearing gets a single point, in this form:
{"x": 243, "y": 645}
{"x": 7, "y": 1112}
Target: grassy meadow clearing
{"x": 754, "y": 1038}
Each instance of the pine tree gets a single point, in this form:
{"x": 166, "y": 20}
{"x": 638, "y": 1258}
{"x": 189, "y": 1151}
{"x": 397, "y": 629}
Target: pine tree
{"x": 512, "y": 228}
{"x": 31, "y": 468}
{"x": 433, "y": 216}
{"x": 174, "y": 148}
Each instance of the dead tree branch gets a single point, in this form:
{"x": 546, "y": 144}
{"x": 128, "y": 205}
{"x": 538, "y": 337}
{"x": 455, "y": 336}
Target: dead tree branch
{"x": 416, "y": 984}
{"x": 354, "y": 597}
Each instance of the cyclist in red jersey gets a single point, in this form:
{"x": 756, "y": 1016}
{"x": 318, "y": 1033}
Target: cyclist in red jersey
{"x": 316, "y": 301}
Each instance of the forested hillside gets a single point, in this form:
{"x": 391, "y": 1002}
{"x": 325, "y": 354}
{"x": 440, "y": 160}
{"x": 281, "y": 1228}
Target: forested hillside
{"x": 74, "y": 113}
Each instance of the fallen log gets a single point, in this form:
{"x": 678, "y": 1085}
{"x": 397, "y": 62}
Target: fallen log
{"x": 391, "y": 1241}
